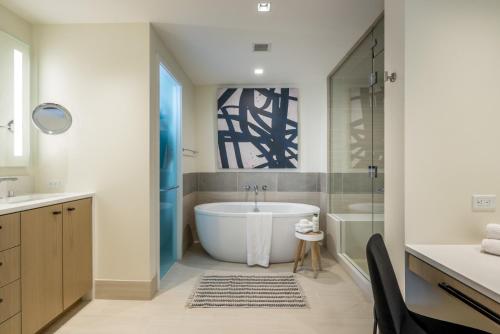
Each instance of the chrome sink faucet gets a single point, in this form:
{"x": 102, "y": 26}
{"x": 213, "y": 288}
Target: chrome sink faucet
{"x": 7, "y": 178}
{"x": 10, "y": 193}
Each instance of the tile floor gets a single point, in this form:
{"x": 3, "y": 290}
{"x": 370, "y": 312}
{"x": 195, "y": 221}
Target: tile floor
{"x": 336, "y": 306}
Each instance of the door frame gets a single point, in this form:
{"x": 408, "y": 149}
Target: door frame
{"x": 155, "y": 186}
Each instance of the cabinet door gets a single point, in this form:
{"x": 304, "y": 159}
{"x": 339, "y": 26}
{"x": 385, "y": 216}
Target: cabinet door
{"x": 9, "y": 231}
{"x": 41, "y": 266}
{"x": 77, "y": 250}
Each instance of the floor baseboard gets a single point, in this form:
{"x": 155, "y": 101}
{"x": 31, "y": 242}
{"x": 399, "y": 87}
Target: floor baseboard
{"x": 125, "y": 290}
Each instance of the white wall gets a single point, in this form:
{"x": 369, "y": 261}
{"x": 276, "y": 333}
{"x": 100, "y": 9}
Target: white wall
{"x": 101, "y": 74}
{"x": 106, "y": 75}
{"x": 452, "y": 117}
{"x": 312, "y": 125}
{"x": 15, "y": 25}
{"x": 160, "y": 52}
{"x": 394, "y": 137}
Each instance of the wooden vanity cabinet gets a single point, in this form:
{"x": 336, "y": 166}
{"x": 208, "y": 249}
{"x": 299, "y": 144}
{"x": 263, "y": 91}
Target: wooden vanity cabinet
{"x": 41, "y": 266}
{"x": 10, "y": 272}
{"x": 77, "y": 250}
{"x": 56, "y": 261}
{"x": 9, "y": 231}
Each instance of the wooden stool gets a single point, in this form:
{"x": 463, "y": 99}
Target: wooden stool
{"x": 314, "y": 238}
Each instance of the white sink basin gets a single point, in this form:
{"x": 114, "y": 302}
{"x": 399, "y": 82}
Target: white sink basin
{"x": 33, "y": 201}
{"x": 26, "y": 198}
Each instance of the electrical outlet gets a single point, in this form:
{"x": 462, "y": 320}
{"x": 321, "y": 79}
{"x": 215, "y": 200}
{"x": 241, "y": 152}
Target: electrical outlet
{"x": 484, "y": 202}
{"x": 55, "y": 184}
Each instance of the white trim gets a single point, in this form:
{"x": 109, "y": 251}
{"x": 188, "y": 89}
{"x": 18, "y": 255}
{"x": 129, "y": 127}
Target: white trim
{"x": 361, "y": 281}
{"x": 353, "y": 270}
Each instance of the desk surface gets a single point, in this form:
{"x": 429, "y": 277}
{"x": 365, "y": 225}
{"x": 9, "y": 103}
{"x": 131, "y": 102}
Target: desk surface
{"x": 465, "y": 263}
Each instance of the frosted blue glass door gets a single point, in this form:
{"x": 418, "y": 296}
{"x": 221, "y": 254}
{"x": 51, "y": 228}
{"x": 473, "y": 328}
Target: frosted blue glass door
{"x": 169, "y": 103}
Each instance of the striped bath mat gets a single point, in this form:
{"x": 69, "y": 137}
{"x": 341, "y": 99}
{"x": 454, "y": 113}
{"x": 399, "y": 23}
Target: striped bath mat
{"x": 250, "y": 291}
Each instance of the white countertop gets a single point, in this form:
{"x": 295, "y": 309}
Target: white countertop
{"x": 41, "y": 200}
{"x": 465, "y": 263}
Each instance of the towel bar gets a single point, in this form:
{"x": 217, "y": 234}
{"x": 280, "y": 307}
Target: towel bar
{"x": 189, "y": 150}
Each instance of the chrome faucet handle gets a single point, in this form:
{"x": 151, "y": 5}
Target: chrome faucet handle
{"x": 264, "y": 187}
{"x": 247, "y": 187}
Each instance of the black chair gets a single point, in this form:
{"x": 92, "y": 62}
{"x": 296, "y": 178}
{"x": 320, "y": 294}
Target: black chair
{"x": 390, "y": 312}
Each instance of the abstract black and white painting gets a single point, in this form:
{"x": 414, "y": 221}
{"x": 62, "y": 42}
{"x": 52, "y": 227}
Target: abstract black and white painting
{"x": 257, "y": 128}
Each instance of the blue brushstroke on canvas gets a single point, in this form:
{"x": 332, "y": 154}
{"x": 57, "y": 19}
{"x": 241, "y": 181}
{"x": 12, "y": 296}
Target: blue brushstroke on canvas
{"x": 257, "y": 128}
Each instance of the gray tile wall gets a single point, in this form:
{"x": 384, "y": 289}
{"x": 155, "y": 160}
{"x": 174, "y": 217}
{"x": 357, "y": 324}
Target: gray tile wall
{"x": 354, "y": 183}
{"x": 236, "y": 181}
{"x": 223, "y": 181}
{"x": 254, "y": 178}
{"x": 190, "y": 183}
{"x": 335, "y": 183}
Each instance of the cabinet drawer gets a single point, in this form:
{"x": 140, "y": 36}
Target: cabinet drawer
{"x": 472, "y": 299}
{"x": 11, "y": 326}
{"x": 10, "y": 300}
{"x": 10, "y": 232}
{"x": 10, "y": 265}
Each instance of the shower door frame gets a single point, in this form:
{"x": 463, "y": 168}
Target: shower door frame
{"x": 358, "y": 274}
{"x": 160, "y": 62}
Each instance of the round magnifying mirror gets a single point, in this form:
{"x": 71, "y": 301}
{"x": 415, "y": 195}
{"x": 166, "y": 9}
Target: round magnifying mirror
{"x": 51, "y": 118}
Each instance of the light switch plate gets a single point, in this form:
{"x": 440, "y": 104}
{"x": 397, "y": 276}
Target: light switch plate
{"x": 484, "y": 202}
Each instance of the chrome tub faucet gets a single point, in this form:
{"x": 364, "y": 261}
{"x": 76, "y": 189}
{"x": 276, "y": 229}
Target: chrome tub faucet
{"x": 255, "y": 189}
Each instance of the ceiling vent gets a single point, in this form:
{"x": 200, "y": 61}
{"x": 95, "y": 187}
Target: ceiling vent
{"x": 261, "y": 47}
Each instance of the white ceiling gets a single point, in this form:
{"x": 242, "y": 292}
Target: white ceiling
{"x": 212, "y": 39}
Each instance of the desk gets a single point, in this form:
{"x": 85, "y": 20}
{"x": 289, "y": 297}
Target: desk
{"x": 457, "y": 283}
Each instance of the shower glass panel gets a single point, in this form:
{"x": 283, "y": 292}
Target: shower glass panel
{"x": 169, "y": 92}
{"x": 357, "y": 146}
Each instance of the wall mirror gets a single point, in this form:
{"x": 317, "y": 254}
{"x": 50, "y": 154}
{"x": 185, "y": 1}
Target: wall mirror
{"x": 14, "y": 102}
{"x": 52, "y": 118}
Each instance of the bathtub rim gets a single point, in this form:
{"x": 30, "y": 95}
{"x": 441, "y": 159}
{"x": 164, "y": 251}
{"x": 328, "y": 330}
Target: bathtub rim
{"x": 198, "y": 209}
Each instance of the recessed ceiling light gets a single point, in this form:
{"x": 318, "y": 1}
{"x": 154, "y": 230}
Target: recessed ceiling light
{"x": 261, "y": 47}
{"x": 264, "y": 6}
{"x": 258, "y": 71}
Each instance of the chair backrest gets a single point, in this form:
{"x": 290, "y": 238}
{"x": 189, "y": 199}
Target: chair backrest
{"x": 390, "y": 308}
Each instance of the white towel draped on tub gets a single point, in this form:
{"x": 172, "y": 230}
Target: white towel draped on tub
{"x": 259, "y": 234}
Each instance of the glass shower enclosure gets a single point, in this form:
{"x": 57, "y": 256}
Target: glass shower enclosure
{"x": 169, "y": 94}
{"x": 356, "y": 148}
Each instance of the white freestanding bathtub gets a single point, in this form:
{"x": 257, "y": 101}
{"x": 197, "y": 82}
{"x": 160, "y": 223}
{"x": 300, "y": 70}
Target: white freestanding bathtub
{"x": 222, "y": 228}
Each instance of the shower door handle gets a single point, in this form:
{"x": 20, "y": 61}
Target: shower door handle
{"x": 373, "y": 172}
{"x": 168, "y": 189}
